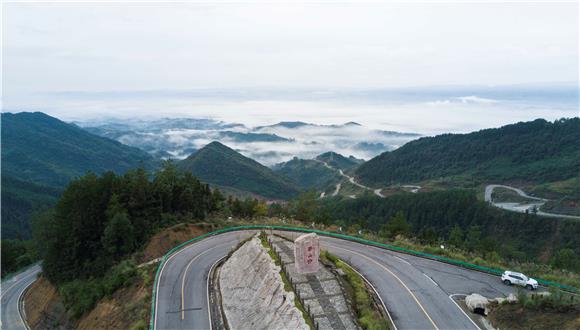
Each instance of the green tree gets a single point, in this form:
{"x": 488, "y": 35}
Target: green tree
{"x": 565, "y": 259}
{"x": 456, "y": 236}
{"x": 428, "y": 236}
{"x": 473, "y": 238}
{"x": 118, "y": 237}
{"x": 305, "y": 206}
{"x": 397, "y": 225}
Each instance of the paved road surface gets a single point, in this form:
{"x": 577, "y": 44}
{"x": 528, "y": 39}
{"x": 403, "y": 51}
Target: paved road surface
{"x": 11, "y": 291}
{"x": 522, "y": 207}
{"x": 415, "y": 290}
{"x": 182, "y": 288}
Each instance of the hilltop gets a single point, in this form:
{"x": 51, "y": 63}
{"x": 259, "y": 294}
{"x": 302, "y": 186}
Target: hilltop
{"x": 41, "y": 154}
{"x": 220, "y": 165}
{"x": 538, "y": 151}
{"x": 338, "y": 161}
{"x": 42, "y": 149}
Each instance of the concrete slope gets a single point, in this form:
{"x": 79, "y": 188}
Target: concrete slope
{"x": 182, "y": 288}
{"x": 416, "y": 291}
{"x": 12, "y": 290}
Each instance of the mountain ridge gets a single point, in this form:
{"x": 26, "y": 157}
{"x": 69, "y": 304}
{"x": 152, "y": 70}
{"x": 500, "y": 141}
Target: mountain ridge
{"x": 220, "y": 165}
{"x": 512, "y": 152}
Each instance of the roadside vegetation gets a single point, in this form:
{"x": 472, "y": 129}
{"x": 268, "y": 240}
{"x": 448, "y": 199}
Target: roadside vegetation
{"x": 556, "y": 310}
{"x": 16, "y": 254}
{"x": 94, "y": 237}
{"x": 367, "y": 315}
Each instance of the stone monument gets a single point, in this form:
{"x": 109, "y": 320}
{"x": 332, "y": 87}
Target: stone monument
{"x": 306, "y": 253}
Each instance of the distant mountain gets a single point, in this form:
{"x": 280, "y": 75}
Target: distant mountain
{"x": 536, "y": 151}
{"x": 177, "y": 138}
{"x": 307, "y": 173}
{"x": 44, "y": 150}
{"x": 287, "y": 124}
{"x": 252, "y": 137}
{"x": 41, "y": 154}
{"x": 338, "y": 161}
{"x": 220, "y": 165}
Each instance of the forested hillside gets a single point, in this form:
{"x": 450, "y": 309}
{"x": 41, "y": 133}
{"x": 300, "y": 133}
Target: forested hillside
{"x": 19, "y": 200}
{"x": 219, "y": 165}
{"x": 307, "y": 173}
{"x": 457, "y": 216}
{"x": 338, "y": 161}
{"x": 41, "y": 154}
{"x": 44, "y": 150}
{"x": 99, "y": 220}
{"x": 537, "y": 151}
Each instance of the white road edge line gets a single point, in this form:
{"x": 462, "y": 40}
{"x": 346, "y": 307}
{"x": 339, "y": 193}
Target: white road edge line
{"x": 376, "y": 292}
{"x": 400, "y": 281}
{"x": 159, "y": 279}
{"x": 13, "y": 284}
{"x": 208, "y": 275}
{"x": 160, "y": 274}
{"x": 185, "y": 277}
{"x": 461, "y": 309}
{"x": 21, "y": 313}
{"x": 403, "y": 260}
{"x": 430, "y": 279}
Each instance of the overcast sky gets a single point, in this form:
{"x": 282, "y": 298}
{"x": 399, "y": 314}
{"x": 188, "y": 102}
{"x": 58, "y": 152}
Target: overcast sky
{"x": 53, "y": 48}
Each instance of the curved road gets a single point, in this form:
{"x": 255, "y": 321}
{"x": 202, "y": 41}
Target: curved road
{"x": 522, "y": 207}
{"x": 12, "y": 290}
{"x": 351, "y": 180}
{"x": 416, "y": 291}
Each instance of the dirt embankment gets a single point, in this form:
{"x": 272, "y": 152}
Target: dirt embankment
{"x": 44, "y": 308}
{"x": 163, "y": 241}
{"x": 127, "y": 308}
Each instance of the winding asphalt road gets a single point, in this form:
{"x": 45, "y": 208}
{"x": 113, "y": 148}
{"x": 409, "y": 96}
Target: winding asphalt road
{"x": 522, "y": 207}
{"x": 351, "y": 180}
{"x": 11, "y": 291}
{"x": 416, "y": 291}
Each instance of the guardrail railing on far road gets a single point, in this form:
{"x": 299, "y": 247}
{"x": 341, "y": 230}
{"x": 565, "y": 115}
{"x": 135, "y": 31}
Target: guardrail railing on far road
{"x": 459, "y": 263}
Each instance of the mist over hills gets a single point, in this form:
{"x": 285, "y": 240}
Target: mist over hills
{"x": 177, "y": 138}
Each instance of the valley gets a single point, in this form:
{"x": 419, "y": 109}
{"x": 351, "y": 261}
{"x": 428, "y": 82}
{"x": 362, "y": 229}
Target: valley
{"x": 400, "y": 197}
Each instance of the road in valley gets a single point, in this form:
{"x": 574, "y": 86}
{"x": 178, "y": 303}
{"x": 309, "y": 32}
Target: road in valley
{"x": 351, "y": 180}
{"x": 416, "y": 291}
{"x": 522, "y": 207}
{"x": 12, "y": 290}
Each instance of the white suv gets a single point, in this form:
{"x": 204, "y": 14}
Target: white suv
{"x": 511, "y": 278}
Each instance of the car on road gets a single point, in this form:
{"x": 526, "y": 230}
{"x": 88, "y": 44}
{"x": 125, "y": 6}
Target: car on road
{"x": 515, "y": 278}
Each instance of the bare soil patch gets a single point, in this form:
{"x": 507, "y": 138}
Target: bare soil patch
{"x": 43, "y": 307}
{"x": 165, "y": 240}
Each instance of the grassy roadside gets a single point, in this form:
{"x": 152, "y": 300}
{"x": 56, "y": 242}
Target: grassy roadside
{"x": 287, "y": 285}
{"x": 557, "y": 310}
{"x": 368, "y": 317}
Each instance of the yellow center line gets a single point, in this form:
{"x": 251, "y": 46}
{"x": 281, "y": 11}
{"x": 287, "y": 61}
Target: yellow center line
{"x": 183, "y": 281}
{"x": 398, "y": 279}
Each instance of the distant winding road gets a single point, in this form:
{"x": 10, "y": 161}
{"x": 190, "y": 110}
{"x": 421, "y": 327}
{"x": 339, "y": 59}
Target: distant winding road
{"x": 351, "y": 180}
{"x": 522, "y": 207}
{"x": 417, "y": 292}
{"x": 12, "y": 291}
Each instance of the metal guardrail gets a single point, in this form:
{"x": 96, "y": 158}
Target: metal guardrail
{"x": 459, "y": 263}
